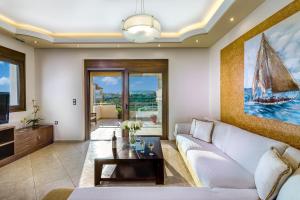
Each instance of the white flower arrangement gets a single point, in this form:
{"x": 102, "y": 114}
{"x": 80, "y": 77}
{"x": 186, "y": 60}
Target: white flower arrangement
{"x": 132, "y": 126}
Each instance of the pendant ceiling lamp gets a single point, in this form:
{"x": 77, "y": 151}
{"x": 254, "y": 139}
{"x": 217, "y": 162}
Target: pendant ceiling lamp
{"x": 141, "y": 27}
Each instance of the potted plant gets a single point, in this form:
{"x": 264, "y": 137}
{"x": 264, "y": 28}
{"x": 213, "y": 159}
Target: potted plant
{"x": 132, "y": 127}
{"x": 119, "y": 113}
{"x": 153, "y": 118}
{"x": 35, "y": 121}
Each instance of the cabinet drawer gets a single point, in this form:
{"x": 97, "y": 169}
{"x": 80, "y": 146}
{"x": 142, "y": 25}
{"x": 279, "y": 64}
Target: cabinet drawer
{"x": 23, "y": 148}
{"x": 45, "y": 136}
{"x": 25, "y": 141}
{"x": 22, "y": 136}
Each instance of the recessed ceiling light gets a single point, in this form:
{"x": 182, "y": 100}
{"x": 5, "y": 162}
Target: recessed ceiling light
{"x": 35, "y": 42}
{"x": 231, "y": 19}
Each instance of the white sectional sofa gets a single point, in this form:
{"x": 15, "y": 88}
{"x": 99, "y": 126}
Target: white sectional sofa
{"x": 230, "y": 160}
{"x": 223, "y": 168}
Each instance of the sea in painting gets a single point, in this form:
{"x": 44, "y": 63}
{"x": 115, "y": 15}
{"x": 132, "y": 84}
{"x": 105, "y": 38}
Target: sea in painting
{"x": 272, "y": 72}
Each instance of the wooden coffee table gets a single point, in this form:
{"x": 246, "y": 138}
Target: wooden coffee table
{"x": 127, "y": 164}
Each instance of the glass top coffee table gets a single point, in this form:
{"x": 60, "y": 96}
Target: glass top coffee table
{"x": 130, "y": 164}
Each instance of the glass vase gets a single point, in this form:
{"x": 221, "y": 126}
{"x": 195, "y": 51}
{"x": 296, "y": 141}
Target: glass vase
{"x": 132, "y": 138}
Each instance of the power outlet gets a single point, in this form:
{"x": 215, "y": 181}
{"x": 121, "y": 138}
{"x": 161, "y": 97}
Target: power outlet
{"x": 74, "y": 102}
{"x": 56, "y": 122}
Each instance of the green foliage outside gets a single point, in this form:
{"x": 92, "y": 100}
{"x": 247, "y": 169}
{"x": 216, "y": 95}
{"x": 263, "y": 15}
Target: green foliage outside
{"x": 142, "y": 101}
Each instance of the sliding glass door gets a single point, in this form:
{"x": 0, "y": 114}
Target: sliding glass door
{"x": 119, "y": 90}
{"x": 145, "y": 101}
{"x": 106, "y": 103}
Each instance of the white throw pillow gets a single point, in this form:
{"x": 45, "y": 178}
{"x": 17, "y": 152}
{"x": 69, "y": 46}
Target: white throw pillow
{"x": 203, "y": 130}
{"x": 292, "y": 155}
{"x": 290, "y": 189}
{"x": 271, "y": 172}
{"x": 193, "y": 126}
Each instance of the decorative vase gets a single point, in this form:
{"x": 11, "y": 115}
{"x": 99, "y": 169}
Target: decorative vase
{"x": 132, "y": 138}
{"x": 35, "y": 123}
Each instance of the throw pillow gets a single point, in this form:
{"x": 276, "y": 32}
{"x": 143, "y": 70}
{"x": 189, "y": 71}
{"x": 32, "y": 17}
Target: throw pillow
{"x": 193, "y": 126}
{"x": 271, "y": 172}
{"x": 290, "y": 189}
{"x": 292, "y": 155}
{"x": 203, "y": 130}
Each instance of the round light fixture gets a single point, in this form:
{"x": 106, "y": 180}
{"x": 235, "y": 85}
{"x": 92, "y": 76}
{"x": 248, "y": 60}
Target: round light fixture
{"x": 141, "y": 28}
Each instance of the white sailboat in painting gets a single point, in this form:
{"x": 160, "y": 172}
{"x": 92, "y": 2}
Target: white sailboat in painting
{"x": 271, "y": 79}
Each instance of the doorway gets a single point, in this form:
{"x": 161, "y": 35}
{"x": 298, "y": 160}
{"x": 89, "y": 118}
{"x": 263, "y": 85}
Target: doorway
{"x": 118, "y": 90}
{"x": 106, "y": 104}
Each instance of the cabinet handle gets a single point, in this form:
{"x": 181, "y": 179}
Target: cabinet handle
{"x": 39, "y": 137}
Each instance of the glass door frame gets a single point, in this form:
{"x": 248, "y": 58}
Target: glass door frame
{"x": 127, "y": 66}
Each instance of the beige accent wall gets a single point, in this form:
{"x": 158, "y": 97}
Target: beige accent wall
{"x": 232, "y": 83}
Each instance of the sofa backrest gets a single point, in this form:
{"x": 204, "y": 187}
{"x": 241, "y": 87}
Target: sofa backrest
{"x": 243, "y": 146}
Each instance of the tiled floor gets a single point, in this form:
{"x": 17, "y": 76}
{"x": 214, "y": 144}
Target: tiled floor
{"x": 66, "y": 165}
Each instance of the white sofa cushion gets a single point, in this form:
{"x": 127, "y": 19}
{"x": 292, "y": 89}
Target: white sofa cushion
{"x": 247, "y": 148}
{"x": 220, "y": 134}
{"x": 292, "y": 155}
{"x": 188, "y": 142}
{"x": 290, "y": 189}
{"x": 203, "y": 130}
{"x": 216, "y": 169}
{"x": 182, "y": 128}
{"x": 161, "y": 193}
{"x": 272, "y": 171}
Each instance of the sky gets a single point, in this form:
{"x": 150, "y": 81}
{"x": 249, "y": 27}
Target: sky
{"x": 4, "y": 77}
{"x": 112, "y": 84}
{"x": 285, "y": 40}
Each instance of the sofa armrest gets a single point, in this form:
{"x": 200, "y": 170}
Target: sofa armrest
{"x": 182, "y": 128}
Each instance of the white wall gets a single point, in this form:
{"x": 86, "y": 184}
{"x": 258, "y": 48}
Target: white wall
{"x": 268, "y": 8}
{"x": 14, "y": 118}
{"x": 61, "y": 79}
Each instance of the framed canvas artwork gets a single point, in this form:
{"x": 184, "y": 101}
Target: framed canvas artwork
{"x": 272, "y": 72}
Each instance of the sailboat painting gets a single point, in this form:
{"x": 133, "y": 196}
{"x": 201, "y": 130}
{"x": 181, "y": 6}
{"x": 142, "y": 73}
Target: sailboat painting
{"x": 272, "y": 72}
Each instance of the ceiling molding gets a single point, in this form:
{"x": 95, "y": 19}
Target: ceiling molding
{"x": 202, "y": 27}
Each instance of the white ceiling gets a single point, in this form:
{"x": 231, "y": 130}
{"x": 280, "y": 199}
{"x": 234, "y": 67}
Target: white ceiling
{"x": 94, "y": 21}
{"x": 78, "y": 16}
{"x": 97, "y": 23}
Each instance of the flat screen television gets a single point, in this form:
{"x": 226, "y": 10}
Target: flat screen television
{"x": 4, "y": 107}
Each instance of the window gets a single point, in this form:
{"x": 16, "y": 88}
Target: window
{"x": 12, "y": 77}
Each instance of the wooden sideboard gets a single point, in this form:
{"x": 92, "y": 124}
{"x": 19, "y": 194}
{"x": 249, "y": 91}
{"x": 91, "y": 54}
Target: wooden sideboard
{"x": 15, "y": 144}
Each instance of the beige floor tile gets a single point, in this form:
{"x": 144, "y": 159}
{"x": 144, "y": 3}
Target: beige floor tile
{"x": 72, "y": 165}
